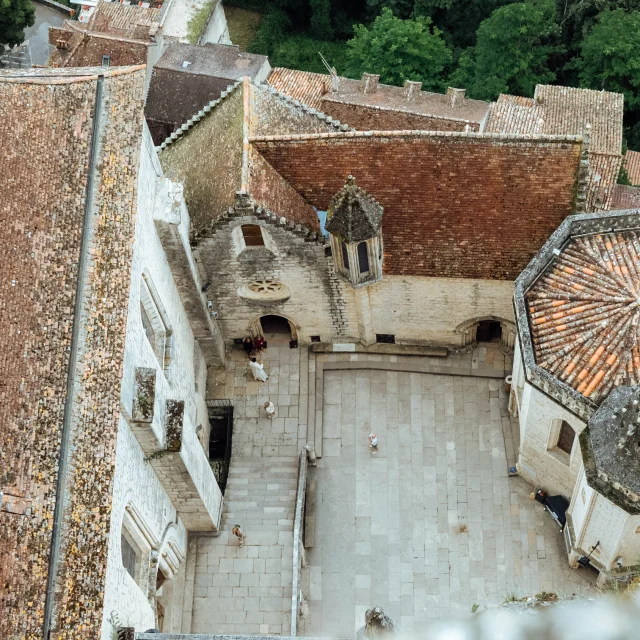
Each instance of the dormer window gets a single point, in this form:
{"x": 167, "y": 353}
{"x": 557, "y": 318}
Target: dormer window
{"x": 252, "y": 235}
{"x": 354, "y": 223}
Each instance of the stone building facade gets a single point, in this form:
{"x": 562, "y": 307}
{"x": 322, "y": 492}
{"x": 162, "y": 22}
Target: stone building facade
{"x": 574, "y": 384}
{"x": 104, "y": 470}
{"x": 442, "y": 273}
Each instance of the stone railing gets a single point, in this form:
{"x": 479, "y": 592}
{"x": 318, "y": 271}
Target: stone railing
{"x": 298, "y": 542}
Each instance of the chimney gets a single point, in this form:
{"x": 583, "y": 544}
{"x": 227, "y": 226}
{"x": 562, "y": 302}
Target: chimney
{"x": 62, "y": 44}
{"x": 455, "y": 97}
{"x": 335, "y": 81}
{"x": 369, "y": 82}
{"x": 412, "y": 89}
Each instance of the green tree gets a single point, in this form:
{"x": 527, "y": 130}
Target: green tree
{"x": 399, "y": 50}
{"x": 512, "y": 53}
{"x": 458, "y": 19}
{"x": 321, "y": 19}
{"x": 15, "y": 16}
{"x": 610, "y": 56}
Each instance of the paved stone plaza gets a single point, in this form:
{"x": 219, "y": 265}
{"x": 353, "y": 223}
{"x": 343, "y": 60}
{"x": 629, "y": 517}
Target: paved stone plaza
{"x": 425, "y": 529}
{"x": 431, "y": 524}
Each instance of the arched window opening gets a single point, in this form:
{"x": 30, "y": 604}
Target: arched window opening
{"x": 345, "y": 256}
{"x": 566, "y": 437}
{"x": 489, "y": 331}
{"x": 252, "y": 235}
{"x": 363, "y": 257}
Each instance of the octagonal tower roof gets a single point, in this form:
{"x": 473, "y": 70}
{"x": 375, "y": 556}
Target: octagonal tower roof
{"x": 353, "y": 215}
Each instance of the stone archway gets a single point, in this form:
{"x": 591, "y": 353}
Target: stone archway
{"x": 274, "y": 322}
{"x": 489, "y": 329}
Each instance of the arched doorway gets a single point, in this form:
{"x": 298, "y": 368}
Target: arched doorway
{"x": 488, "y": 329}
{"x": 275, "y": 329}
{"x": 276, "y": 326}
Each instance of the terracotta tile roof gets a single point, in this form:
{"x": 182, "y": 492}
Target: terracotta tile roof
{"x": 625, "y": 197}
{"x": 314, "y": 89}
{"x": 46, "y": 140}
{"x": 562, "y": 111}
{"x": 424, "y": 103}
{"x": 506, "y": 116}
{"x": 518, "y": 101}
{"x": 304, "y": 86}
{"x": 603, "y": 174}
{"x": 584, "y": 314}
{"x": 442, "y": 185}
{"x": 568, "y": 110}
{"x": 632, "y": 166}
{"x": 120, "y": 20}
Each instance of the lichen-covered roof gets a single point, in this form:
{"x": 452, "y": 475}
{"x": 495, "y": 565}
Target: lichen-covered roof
{"x": 625, "y": 197}
{"x": 120, "y": 20}
{"x": 353, "y": 215}
{"x": 219, "y": 60}
{"x": 632, "y": 166}
{"x": 584, "y": 313}
{"x": 562, "y": 111}
{"x": 611, "y": 448}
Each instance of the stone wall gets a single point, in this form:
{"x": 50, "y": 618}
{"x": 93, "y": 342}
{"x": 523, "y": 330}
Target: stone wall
{"x": 536, "y": 463}
{"x": 317, "y": 299}
{"x": 370, "y": 118}
{"x": 428, "y": 310}
{"x": 137, "y": 484}
{"x": 207, "y": 159}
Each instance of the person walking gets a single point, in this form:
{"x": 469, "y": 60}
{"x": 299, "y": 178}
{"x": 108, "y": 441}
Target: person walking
{"x": 258, "y": 370}
{"x": 239, "y": 533}
{"x": 270, "y": 408}
{"x": 373, "y": 443}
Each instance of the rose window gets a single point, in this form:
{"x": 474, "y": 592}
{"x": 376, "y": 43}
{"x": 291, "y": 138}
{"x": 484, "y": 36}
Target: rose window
{"x": 266, "y": 290}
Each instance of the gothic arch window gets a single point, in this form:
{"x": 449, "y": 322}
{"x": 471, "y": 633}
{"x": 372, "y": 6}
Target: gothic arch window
{"x": 345, "y": 256}
{"x": 363, "y": 258}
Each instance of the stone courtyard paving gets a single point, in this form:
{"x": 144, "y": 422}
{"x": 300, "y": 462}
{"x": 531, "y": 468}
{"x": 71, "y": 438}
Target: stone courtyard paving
{"x": 432, "y": 524}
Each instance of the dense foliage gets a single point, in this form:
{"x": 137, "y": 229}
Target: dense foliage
{"x": 486, "y": 46}
{"x": 399, "y": 50}
{"x": 513, "y": 51}
{"x": 15, "y": 16}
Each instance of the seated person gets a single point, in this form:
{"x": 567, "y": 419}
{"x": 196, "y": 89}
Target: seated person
{"x": 247, "y": 345}
{"x": 259, "y": 344}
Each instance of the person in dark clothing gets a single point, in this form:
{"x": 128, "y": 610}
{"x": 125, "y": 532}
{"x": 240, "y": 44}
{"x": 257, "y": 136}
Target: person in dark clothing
{"x": 247, "y": 345}
{"x": 259, "y": 344}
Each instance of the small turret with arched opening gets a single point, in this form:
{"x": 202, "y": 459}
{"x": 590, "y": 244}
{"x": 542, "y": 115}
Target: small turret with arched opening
{"x": 354, "y": 222}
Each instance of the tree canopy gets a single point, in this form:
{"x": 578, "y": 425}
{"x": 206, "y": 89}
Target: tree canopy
{"x": 15, "y": 16}
{"x": 512, "y": 53}
{"x": 610, "y": 55}
{"x": 399, "y": 50}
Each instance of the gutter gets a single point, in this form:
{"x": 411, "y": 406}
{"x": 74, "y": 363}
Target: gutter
{"x": 65, "y": 439}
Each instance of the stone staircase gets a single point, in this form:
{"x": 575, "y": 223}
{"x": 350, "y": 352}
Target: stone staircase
{"x": 261, "y": 494}
{"x": 247, "y": 590}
